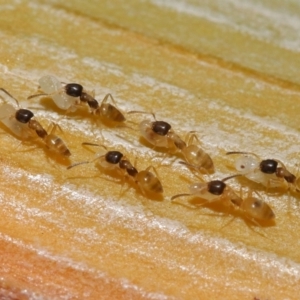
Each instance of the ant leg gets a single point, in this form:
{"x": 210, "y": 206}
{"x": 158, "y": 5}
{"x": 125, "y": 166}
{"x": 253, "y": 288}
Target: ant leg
{"x": 86, "y": 144}
{"x": 154, "y": 170}
{"x": 257, "y": 224}
{"x": 164, "y": 157}
{"x": 111, "y": 98}
{"x": 193, "y": 169}
{"x": 242, "y": 152}
{"x": 226, "y": 224}
{"x": 191, "y": 137}
{"x": 123, "y": 192}
{"x": 52, "y": 128}
{"x": 11, "y": 96}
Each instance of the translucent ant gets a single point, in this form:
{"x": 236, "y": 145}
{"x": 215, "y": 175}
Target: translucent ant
{"x": 255, "y": 208}
{"x": 21, "y": 123}
{"x": 271, "y": 173}
{"x": 217, "y": 190}
{"x": 115, "y": 161}
{"x": 212, "y": 191}
{"x": 71, "y": 95}
{"x": 161, "y": 134}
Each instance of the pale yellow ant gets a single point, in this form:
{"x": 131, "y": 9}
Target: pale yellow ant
{"x": 161, "y": 134}
{"x": 20, "y": 121}
{"x": 213, "y": 191}
{"x": 217, "y": 190}
{"x": 255, "y": 209}
{"x": 271, "y": 173}
{"x": 71, "y": 95}
{"x": 115, "y": 161}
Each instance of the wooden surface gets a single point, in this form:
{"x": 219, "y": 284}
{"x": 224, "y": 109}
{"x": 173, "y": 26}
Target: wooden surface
{"x": 226, "y": 69}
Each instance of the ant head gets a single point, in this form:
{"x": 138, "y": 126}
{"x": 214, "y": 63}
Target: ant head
{"x": 268, "y": 166}
{"x": 161, "y": 127}
{"x": 216, "y": 187}
{"x": 73, "y": 89}
{"x": 113, "y": 157}
{"x": 24, "y": 115}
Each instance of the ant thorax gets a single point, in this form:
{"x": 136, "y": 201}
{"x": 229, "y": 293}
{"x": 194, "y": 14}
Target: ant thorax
{"x": 148, "y": 182}
{"x": 52, "y": 86}
{"x": 7, "y": 116}
{"x": 178, "y": 142}
{"x": 146, "y": 130}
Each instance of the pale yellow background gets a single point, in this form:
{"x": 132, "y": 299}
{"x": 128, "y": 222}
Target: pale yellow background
{"x": 226, "y": 69}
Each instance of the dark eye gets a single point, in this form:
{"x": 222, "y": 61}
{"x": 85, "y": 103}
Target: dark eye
{"x": 113, "y": 157}
{"x": 24, "y": 115}
{"x": 268, "y": 166}
{"x": 161, "y": 127}
{"x": 216, "y": 187}
{"x": 74, "y": 89}
{"x": 257, "y": 203}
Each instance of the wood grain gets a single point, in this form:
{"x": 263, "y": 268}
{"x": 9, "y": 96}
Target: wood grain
{"x": 73, "y": 234}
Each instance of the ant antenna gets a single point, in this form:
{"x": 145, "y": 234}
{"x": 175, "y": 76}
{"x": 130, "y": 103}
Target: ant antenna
{"x": 142, "y": 112}
{"x": 232, "y": 176}
{"x": 37, "y": 95}
{"x": 179, "y": 195}
{"x": 78, "y": 164}
{"x": 11, "y": 96}
{"x": 242, "y": 152}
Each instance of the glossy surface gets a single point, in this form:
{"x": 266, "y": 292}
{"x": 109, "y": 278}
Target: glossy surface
{"x": 234, "y": 81}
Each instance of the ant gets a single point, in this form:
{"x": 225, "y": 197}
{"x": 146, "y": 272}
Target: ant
{"x": 20, "y": 121}
{"x": 217, "y": 190}
{"x": 115, "y": 161}
{"x": 271, "y": 173}
{"x": 161, "y": 134}
{"x": 71, "y": 95}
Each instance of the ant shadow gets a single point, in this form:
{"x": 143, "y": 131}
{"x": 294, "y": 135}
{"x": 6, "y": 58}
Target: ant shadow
{"x": 196, "y": 203}
{"x": 33, "y": 144}
{"x": 122, "y": 180}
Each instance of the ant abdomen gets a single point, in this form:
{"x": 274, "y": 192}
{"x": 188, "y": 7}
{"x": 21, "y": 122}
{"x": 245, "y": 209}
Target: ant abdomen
{"x": 148, "y": 182}
{"x": 198, "y": 158}
{"x": 257, "y": 209}
{"x": 56, "y": 144}
{"x": 110, "y": 113}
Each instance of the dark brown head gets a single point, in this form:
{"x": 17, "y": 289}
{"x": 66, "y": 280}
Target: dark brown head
{"x": 73, "y": 89}
{"x": 216, "y": 187}
{"x": 113, "y": 157}
{"x": 161, "y": 127}
{"x": 24, "y": 115}
{"x": 268, "y": 166}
